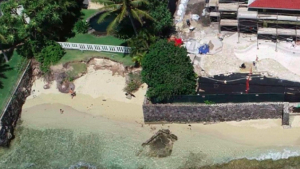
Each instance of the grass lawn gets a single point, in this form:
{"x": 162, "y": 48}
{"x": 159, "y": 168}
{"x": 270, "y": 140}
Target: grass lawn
{"x": 76, "y": 55}
{"x": 78, "y": 68}
{"x": 88, "y": 12}
{"x": 9, "y": 75}
{"x": 91, "y": 39}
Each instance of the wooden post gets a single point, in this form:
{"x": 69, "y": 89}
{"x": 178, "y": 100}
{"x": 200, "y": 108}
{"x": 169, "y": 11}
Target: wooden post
{"x": 296, "y": 34}
{"x": 276, "y": 33}
{"x": 257, "y": 33}
{"x": 219, "y": 20}
{"x": 238, "y": 26}
{"x": 238, "y": 31}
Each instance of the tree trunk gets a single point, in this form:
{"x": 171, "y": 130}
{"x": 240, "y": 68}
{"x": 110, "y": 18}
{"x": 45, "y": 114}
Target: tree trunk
{"x": 4, "y": 54}
{"x": 131, "y": 20}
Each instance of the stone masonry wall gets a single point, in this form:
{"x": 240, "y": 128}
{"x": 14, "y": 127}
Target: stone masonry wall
{"x": 11, "y": 114}
{"x": 185, "y": 113}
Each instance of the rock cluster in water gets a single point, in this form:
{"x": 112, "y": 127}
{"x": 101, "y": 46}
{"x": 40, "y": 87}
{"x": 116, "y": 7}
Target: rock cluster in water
{"x": 160, "y": 144}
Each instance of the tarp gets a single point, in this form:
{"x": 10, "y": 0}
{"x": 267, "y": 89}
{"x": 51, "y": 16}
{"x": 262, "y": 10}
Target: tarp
{"x": 204, "y": 49}
{"x": 178, "y": 42}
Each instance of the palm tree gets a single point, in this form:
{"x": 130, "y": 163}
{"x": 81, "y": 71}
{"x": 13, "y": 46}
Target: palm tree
{"x": 3, "y": 40}
{"x": 140, "y": 45}
{"x": 122, "y": 9}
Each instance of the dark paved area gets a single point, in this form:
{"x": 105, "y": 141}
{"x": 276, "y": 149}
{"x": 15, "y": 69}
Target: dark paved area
{"x": 236, "y": 84}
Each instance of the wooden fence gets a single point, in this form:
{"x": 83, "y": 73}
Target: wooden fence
{"x": 94, "y": 47}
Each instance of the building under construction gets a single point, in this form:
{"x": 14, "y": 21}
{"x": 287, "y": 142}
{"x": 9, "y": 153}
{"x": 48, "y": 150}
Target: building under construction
{"x": 275, "y": 19}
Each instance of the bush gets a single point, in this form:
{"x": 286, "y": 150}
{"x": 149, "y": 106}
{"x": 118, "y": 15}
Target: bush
{"x": 168, "y": 72}
{"x": 133, "y": 83}
{"x": 163, "y": 24}
{"x": 208, "y": 102}
{"x": 81, "y": 26}
{"x": 49, "y": 55}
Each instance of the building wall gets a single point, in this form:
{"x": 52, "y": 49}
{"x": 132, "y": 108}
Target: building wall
{"x": 186, "y": 113}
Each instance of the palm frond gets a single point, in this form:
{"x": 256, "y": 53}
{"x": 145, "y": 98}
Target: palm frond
{"x": 137, "y": 3}
{"x": 136, "y": 16}
{"x": 111, "y": 7}
{"x": 144, "y": 14}
{"x": 2, "y": 39}
{"x": 113, "y": 24}
{"x": 123, "y": 12}
{"x": 103, "y": 16}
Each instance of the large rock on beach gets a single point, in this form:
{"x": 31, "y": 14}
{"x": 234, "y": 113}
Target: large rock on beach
{"x": 160, "y": 144}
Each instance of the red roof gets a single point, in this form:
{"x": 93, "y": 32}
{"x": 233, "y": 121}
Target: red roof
{"x": 276, "y": 4}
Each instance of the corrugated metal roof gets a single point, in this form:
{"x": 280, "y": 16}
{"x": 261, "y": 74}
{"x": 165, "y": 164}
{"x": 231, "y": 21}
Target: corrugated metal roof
{"x": 276, "y": 4}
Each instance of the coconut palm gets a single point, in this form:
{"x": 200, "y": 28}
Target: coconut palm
{"x": 3, "y": 40}
{"x": 122, "y": 9}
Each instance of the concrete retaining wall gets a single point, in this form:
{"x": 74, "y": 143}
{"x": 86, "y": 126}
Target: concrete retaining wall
{"x": 185, "y": 113}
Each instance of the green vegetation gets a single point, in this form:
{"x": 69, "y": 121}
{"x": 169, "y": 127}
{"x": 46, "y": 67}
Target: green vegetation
{"x": 168, "y": 72}
{"x": 49, "y": 55}
{"x": 163, "y": 24}
{"x": 77, "y": 69}
{"x": 40, "y": 22}
{"x": 76, "y": 55}
{"x": 9, "y": 75}
{"x": 81, "y": 26}
{"x": 124, "y": 9}
{"x": 134, "y": 82}
{"x": 208, "y": 102}
{"x": 86, "y": 13}
{"x": 140, "y": 45}
{"x": 91, "y": 39}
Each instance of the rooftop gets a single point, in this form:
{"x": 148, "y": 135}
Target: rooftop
{"x": 275, "y": 4}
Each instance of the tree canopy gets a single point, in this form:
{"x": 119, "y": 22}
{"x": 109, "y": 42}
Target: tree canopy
{"x": 33, "y": 25}
{"x": 167, "y": 71}
{"x": 163, "y": 24}
{"x": 122, "y": 9}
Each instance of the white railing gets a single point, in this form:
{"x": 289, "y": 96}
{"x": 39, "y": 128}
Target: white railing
{"x": 94, "y": 47}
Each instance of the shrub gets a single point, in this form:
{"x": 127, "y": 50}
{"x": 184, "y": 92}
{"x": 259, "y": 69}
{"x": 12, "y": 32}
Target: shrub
{"x": 208, "y": 102}
{"x": 133, "y": 83}
{"x": 49, "y": 55}
{"x": 168, "y": 72}
{"x": 81, "y": 26}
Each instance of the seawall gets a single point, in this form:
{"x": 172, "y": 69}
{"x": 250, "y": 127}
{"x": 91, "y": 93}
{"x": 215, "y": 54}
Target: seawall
{"x": 13, "y": 110}
{"x": 195, "y": 113}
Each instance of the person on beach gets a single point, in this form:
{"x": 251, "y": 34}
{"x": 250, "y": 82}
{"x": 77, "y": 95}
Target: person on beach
{"x": 73, "y": 93}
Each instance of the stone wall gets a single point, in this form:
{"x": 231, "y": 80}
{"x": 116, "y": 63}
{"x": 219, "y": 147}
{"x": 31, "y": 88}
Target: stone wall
{"x": 12, "y": 112}
{"x": 185, "y": 113}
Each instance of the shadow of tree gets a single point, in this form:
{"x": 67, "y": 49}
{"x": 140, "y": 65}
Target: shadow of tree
{"x": 3, "y": 69}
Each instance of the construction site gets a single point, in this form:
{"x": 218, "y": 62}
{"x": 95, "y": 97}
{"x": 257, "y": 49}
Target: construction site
{"x": 254, "y": 38}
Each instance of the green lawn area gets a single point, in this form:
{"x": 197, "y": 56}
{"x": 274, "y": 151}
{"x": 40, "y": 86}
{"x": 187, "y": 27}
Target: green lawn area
{"x": 9, "y": 75}
{"x": 78, "y": 68}
{"x": 76, "y": 55}
{"x": 91, "y": 39}
{"x": 88, "y": 12}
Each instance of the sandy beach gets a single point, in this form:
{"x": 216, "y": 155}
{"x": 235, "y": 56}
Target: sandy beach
{"x": 101, "y": 107}
{"x": 101, "y": 95}
{"x": 94, "y": 5}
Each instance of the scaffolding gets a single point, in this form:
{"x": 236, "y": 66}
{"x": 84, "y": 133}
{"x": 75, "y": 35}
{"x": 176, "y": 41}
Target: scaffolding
{"x": 235, "y": 16}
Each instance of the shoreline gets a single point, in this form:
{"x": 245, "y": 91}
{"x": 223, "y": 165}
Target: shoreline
{"x": 109, "y": 101}
{"x": 118, "y": 122}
